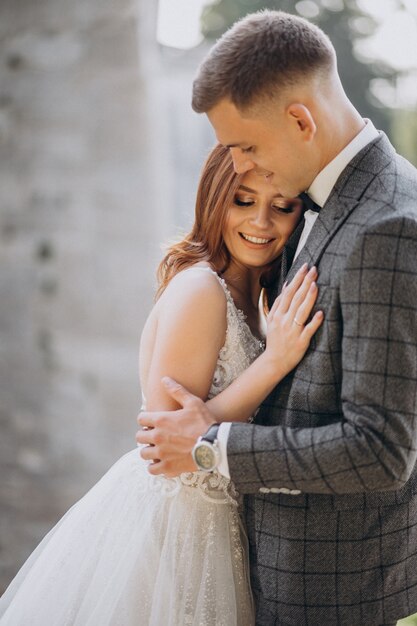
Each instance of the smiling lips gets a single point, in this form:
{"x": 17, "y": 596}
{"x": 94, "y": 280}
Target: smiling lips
{"x": 257, "y": 240}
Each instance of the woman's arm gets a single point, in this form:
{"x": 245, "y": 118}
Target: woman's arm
{"x": 287, "y": 342}
{"x": 191, "y": 329}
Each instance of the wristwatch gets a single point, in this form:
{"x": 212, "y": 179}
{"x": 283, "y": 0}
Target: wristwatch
{"x": 206, "y": 453}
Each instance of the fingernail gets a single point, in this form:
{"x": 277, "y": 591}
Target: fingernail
{"x": 313, "y": 286}
{"x": 304, "y": 267}
{"x": 167, "y": 381}
{"x": 313, "y": 270}
{"x": 285, "y": 284}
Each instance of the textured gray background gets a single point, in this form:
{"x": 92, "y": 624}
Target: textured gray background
{"x": 93, "y": 114}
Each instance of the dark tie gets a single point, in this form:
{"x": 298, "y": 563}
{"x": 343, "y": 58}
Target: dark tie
{"x": 309, "y": 202}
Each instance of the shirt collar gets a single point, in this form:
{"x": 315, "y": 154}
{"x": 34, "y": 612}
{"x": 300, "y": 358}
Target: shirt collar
{"x": 325, "y": 180}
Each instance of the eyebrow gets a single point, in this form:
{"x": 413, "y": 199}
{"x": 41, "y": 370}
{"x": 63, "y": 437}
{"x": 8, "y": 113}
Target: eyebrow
{"x": 247, "y": 189}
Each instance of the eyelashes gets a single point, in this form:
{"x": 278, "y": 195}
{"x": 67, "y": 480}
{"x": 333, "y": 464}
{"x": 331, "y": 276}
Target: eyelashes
{"x": 285, "y": 209}
{"x": 279, "y": 208}
{"x": 242, "y": 203}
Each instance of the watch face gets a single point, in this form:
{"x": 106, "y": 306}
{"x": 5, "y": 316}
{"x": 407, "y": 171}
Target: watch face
{"x": 205, "y": 457}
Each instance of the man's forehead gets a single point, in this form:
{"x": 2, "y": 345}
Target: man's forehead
{"x": 229, "y": 134}
{"x": 224, "y": 114}
{"x": 232, "y": 129}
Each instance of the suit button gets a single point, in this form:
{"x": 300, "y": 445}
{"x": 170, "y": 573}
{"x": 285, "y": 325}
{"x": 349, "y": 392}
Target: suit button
{"x": 295, "y": 492}
{"x": 264, "y": 490}
{"x": 285, "y": 490}
{"x": 275, "y": 490}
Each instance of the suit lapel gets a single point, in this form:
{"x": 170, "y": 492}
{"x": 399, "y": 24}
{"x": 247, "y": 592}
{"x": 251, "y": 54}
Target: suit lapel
{"x": 324, "y": 228}
{"x": 346, "y": 195}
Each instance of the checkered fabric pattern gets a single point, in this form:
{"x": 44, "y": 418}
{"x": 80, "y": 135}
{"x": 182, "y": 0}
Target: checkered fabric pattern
{"x": 329, "y": 468}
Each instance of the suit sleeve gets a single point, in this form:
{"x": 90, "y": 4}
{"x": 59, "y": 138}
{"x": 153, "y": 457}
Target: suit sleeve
{"x": 372, "y": 447}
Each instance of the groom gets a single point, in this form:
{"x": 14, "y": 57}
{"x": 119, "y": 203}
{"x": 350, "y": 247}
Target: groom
{"x": 329, "y": 467}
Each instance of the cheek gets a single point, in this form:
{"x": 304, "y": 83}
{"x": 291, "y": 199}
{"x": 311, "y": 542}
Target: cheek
{"x": 233, "y": 219}
{"x": 285, "y": 160}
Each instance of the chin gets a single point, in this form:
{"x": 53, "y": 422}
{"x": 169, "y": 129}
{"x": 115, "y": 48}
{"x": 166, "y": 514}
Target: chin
{"x": 260, "y": 264}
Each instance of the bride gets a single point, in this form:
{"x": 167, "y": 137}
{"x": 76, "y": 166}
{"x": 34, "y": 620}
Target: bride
{"x": 144, "y": 550}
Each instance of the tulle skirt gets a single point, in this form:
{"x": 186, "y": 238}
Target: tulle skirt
{"x": 138, "y": 550}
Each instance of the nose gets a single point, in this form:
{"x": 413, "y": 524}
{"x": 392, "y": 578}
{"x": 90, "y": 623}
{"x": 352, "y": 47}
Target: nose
{"x": 261, "y": 217}
{"x": 241, "y": 161}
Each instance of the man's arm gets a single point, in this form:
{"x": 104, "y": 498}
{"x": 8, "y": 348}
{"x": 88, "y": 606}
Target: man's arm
{"x": 373, "y": 445}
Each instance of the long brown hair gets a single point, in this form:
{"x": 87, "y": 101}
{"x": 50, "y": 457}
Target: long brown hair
{"x": 216, "y": 190}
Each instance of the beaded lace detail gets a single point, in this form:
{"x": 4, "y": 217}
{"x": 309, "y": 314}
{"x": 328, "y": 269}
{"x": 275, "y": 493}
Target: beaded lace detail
{"x": 240, "y": 348}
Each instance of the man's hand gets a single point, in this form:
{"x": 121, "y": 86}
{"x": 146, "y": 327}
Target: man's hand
{"x": 170, "y": 435}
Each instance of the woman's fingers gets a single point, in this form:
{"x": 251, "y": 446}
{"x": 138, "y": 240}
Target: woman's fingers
{"x": 302, "y": 312}
{"x": 312, "y": 326}
{"x": 302, "y": 292}
{"x": 294, "y": 294}
{"x": 296, "y": 301}
{"x": 289, "y": 291}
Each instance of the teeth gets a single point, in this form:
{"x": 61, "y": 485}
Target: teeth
{"x": 254, "y": 239}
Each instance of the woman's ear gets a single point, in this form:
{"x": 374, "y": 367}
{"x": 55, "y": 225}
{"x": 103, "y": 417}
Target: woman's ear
{"x": 302, "y": 117}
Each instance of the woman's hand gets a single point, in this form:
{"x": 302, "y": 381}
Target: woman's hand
{"x": 289, "y": 330}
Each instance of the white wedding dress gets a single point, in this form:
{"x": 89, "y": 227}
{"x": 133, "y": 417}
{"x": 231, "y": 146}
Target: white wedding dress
{"x": 139, "y": 550}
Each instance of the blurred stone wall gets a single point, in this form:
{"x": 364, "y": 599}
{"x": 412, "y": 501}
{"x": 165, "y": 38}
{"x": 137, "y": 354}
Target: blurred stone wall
{"x": 87, "y": 192}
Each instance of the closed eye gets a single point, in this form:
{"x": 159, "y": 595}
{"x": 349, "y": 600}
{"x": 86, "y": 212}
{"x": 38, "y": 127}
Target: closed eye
{"x": 282, "y": 209}
{"x": 242, "y": 203}
{"x": 246, "y": 150}
{"x": 285, "y": 205}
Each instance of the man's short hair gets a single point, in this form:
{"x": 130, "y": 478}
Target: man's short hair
{"x": 258, "y": 56}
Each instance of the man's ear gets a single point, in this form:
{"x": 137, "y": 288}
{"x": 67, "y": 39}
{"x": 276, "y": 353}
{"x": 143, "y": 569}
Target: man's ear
{"x": 302, "y": 117}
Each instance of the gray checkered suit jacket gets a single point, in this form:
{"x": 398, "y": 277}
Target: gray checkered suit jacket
{"x": 329, "y": 468}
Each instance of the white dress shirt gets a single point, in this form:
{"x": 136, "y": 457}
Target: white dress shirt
{"x": 319, "y": 191}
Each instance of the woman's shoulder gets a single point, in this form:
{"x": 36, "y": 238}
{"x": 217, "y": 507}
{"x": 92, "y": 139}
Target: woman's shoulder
{"x": 197, "y": 286}
{"x": 194, "y": 281}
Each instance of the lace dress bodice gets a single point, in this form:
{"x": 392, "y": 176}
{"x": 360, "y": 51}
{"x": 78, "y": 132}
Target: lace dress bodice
{"x": 240, "y": 348}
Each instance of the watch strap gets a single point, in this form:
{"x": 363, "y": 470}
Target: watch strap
{"x": 211, "y": 434}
